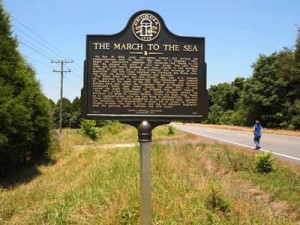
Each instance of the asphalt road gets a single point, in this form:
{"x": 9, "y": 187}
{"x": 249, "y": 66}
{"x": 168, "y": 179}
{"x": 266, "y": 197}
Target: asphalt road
{"x": 285, "y": 147}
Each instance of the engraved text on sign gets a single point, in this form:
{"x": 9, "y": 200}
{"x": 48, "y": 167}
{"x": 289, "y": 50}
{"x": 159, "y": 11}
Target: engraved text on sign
{"x": 144, "y": 84}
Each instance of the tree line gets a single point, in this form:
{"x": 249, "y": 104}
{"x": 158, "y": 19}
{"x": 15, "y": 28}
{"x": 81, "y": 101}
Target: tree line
{"x": 271, "y": 94}
{"x": 71, "y": 113}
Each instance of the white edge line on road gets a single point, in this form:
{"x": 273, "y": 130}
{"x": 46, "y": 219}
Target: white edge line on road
{"x": 247, "y": 146}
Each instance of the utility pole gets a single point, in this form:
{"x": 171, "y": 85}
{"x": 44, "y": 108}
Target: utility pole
{"x": 61, "y": 71}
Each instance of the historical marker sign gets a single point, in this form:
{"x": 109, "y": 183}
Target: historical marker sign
{"x": 145, "y": 73}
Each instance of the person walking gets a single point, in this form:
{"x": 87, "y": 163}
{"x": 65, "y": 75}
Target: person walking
{"x": 257, "y": 134}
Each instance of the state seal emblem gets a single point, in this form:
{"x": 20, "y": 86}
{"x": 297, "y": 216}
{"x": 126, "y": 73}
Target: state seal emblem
{"x": 146, "y": 27}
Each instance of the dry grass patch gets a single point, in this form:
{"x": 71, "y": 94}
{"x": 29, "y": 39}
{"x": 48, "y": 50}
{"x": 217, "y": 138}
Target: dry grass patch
{"x": 201, "y": 183}
{"x": 250, "y": 129}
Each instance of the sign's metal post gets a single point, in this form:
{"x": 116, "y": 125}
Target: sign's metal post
{"x": 145, "y": 138}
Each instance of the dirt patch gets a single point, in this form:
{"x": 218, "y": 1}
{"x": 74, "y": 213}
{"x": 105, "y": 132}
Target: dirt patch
{"x": 132, "y": 145}
{"x": 105, "y": 146}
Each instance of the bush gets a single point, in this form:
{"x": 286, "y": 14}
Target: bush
{"x": 102, "y": 123}
{"x": 75, "y": 119}
{"x": 171, "y": 130}
{"x": 215, "y": 201}
{"x": 129, "y": 217}
{"x": 88, "y": 128}
{"x": 110, "y": 128}
{"x": 264, "y": 163}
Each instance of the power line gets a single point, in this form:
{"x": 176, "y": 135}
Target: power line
{"x": 42, "y": 68}
{"x": 41, "y": 63}
{"x": 76, "y": 74}
{"x": 36, "y": 41}
{"x": 37, "y": 48}
{"x": 40, "y": 52}
{"x": 75, "y": 81}
{"x": 76, "y": 64}
{"x": 47, "y": 51}
{"x": 45, "y": 55}
{"x": 53, "y": 49}
{"x": 78, "y": 68}
{"x": 40, "y": 37}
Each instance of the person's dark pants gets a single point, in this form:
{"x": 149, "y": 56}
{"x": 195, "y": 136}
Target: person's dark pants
{"x": 256, "y": 141}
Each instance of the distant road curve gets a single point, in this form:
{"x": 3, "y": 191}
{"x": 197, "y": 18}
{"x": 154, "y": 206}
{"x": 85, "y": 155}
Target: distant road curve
{"x": 286, "y": 147}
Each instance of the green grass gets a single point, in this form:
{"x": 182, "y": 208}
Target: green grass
{"x": 205, "y": 184}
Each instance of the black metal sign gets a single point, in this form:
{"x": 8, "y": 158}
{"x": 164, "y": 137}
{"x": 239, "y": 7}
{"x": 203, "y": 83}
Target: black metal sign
{"x": 145, "y": 73}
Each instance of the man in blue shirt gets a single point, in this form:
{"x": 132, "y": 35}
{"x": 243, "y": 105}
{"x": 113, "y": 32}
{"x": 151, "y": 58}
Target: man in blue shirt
{"x": 257, "y": 134}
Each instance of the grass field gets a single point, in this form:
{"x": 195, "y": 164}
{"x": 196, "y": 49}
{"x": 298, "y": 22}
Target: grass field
{"x": 98, "y": 183}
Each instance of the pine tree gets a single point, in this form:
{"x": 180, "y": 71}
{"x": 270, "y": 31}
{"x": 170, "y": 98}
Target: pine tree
{"x": 24, "y": 110}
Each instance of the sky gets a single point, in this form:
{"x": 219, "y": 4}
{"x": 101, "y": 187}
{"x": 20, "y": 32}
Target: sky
{"x": 236, "y": 32}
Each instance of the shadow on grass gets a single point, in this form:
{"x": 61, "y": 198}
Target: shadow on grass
{"x": 22, "y": 175}
{"x": 12, "y": 177}
{"x": 18, "y": 176}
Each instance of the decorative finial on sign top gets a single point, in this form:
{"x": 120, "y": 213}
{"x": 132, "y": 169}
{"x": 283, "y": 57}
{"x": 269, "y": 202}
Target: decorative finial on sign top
{"x": 146, "y": 27}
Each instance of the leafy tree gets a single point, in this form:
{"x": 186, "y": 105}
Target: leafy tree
{"x": 67, "y": 105}
{"x": 224, "y": 100}
{"x": 76, "y": 104}
{"x": 24, "y": 111}
{"x": 76, "y": 117}
{"x": 272, "y": 91}
{"x": 71, "y": 113}
{"x": 222, "y": 95}
{"x": 66, "y": 113}
{"x": 51, "y": 103}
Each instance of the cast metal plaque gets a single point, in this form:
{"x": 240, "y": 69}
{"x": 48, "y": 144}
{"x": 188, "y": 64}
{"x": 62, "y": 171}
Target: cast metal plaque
{"x": 145, "y": 73}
